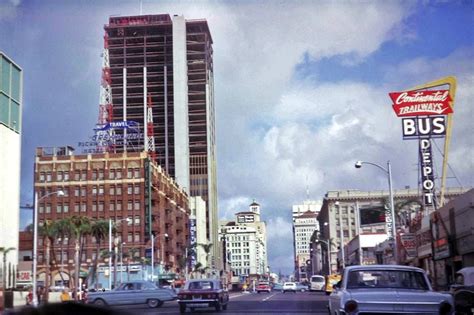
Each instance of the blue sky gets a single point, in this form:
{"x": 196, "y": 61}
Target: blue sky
{"x": 301, "y": 90}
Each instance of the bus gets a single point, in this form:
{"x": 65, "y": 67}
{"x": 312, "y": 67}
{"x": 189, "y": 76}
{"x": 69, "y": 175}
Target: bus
{"x": 317, "y": 283}
{"x": 330, "y": 281}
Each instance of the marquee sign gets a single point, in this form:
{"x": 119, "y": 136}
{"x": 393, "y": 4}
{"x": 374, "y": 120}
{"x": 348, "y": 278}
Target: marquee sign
{"x": 421, "y": 103}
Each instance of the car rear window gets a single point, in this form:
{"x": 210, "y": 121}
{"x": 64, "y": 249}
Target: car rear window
{"x": 201, "y": 285}
{"x": 394, "y": 279}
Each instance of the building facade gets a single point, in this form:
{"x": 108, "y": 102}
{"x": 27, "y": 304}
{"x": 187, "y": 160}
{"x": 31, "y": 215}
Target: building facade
{"x": 167, "y": 63}
{"x": 245, "y": 242}
{"x": 115, "y": 187}
{"x": 11, "y": 91}
{"x": 345, "y": 214}
{"x": 304, "y": 225}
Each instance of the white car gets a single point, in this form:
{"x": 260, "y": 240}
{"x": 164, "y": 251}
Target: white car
{"x": 387, "y": 289}
{"x": 317, "y": 283}
{"x": 289, "y": 287}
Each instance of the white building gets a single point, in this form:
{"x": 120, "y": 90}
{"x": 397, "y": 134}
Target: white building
{"x": 246, "y": 242}
{"x": 11, "y": 85}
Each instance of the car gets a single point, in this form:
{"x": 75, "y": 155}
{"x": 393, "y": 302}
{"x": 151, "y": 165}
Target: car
{"x": 202, "y": 293}
{"x": 317, "y": 283}
{"x": 331, "y": 280}
{"x": 289, "y": 287}
{"x": 132, "y": 292}
{"x": 301, "y": 287}
{"x": 463, "y": 291}
{"x": 264, "y": 287}
{"x": 277, "y": 287}
{"x": 387, "y": 289}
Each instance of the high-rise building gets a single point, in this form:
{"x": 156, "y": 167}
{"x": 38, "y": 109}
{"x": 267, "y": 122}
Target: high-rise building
{"x": 304, "y": 224}
{"x": 245, "y": 242}
{"x": 166, "y": 63}
{"x": 11, "y": 85}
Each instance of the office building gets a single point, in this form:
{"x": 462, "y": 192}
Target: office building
{"x": 11, "y": 91}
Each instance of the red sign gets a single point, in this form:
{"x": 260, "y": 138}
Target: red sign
{"x": 417, "y": 103}
{"x": 23, "y": 276}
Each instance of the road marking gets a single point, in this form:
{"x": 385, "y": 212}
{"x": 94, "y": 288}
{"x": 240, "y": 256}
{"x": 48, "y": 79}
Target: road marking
{"x": 269, "y": 297}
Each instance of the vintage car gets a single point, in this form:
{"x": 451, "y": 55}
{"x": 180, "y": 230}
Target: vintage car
{"x": 463, "y": 291}
{"x": 387, "y": 289}
{"x": 200, "y": 293}
{"x": 133, "y": 292}
{"x": 264, "y": 287}
{"x": 289, "y": 287}
{"x": 317, "y": 283}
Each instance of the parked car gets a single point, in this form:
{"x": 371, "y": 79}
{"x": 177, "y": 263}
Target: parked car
{"x": 132, "y": 292}
{"x": 463, "y": 291}
{"x": 317, "y": 283}
{"x": 201, "y": 293}
{"x": 289, "y": 287}
{"x": 301, "y": 287}
{"x": 386, "y": 289}
{"x": 264, "y": 287}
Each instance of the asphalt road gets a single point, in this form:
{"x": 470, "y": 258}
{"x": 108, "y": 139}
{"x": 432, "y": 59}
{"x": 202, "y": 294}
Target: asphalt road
{"x": 264, "y": 303}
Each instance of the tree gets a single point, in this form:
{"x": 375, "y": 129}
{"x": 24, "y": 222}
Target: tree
{"x": 61, "y": 231}
{"x": 5, "y": 252}
{"x": 48, "y": 233}
{"x": 80, "y": 227}
{"x": 98, "y": 230}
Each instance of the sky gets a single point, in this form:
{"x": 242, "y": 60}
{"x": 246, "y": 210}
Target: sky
{"x": 301, "y": 91}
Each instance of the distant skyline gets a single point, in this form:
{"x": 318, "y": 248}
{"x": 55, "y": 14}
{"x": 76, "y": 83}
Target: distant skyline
{"x": 301, "y": 91}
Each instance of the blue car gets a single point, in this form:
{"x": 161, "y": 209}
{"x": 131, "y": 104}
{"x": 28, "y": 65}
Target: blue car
{"x": 132, "y": 293}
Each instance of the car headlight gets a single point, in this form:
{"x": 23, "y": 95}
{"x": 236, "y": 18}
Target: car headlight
{"x": 350, "y": 306}
{"x": 444, "y": 308}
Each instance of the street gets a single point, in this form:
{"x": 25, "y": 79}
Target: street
{"x": 264, "y": 303}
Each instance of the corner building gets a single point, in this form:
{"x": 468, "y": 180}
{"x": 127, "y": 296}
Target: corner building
{"x": 11, "y": 84}
{"x": 111, "y": 186}
{"x": 169, "y": 61}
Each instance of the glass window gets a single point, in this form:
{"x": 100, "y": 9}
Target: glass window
{"x": 83, "y": 191}
{"x": 94, "y": 174}
{"x": 41, "y": 209}
{"x": 15, "y": 116}
{"x": 5, "y": 80}
{"x": 137, "y": 237}
{"x": 136, "y": 189}
{"x": 129, "y": 173}
{"x": 111, "y": 174}
{"x": 83, "y": 207}
{"x": 83, "y": 175}
{"x": 48, "y": 208}
{"x": 48, "y": 176}
{"x": 94, "y": 206}
{"x": 65, "y": 208}
{"x": 77, "y": 206}
{"x": 101, "y": 174}
{"x": 119, "y": 174}
{"x": 42, "y": 177}
{"x": 130, "y": 237}
{"x": 76, "y": 191}
{"x": 94, "y": 190}
{"x": 112, "y": 206}
{"x": 136, "y": 205}
{"x": 101, "y": 206}
{"x": 101, "y": 189}
{"x": 119, "y": 205}
{"x": 137, "y": 220}
{"x": 16, "y": 80}
{"x": 77, "y": 175}
{"x": 58, "y": 208}
{"x": 136, "y": 173}
{"x": 112, "y": 190}
{"x": 4, "y": 110}
{"x": 66, "y": 175}
{"x": 130, "y": 205}
{"x": 119, "y": 189}
{"x": 59, "y": 175}
{"x": 129, "y": 189}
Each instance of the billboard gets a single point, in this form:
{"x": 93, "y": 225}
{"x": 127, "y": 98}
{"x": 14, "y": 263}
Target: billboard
{"x": 421, "y": 103}
{"x": 372, "y": 215}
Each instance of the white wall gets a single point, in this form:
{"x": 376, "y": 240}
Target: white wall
{"x": 10, "y": 143}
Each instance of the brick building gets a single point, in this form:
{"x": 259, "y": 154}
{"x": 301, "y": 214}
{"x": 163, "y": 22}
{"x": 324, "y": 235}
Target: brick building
{"x": 113, "y": 186}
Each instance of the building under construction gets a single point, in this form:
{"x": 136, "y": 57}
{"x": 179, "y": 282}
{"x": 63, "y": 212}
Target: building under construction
{"x": 158, "y": 72}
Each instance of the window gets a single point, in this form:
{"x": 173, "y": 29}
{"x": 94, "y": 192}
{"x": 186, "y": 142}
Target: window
{"x": 76, "y": 191}
{"x": 346, "y": 233}
{"x": 136, "y": 205}
{"x": 129, "y": 173}
{"x": 83, "y": 207}
{"x": 129, "y": 189}
{"x": 136, "y": 189}
{"x": 48, "y": 208}
{"x": 84, "y": 175}
{"x": 112, "y": 206}
{"x": 65, "y": 208}
{"x": 59, "y": 176}
{"x": 77, "y": 207}
{"x": 119, "y": 174}
{"x": 101, "y": 189}
{"x": 66, "y": 175}
{"x": 130, "y": 237}
{"x": 101, "y": 174}
{"x": 111, "y": 174}
{"x": 137, "y": 237}
{"x": 42, "y": 177}
{"x": 58, "y": 209}
{"x": 119, "y": 189}
{"x": 112, "y": 190}
{"x": 94, "y": 174}
{"x": 101, "y": 206}
{"x": 94, "y": 190}
{"x": 77, "y": 175}
{"x": 136, "y": 173}
{"x": 119, "y": 205}
{"x": 41, "y": 209}
{"x": 48, "y": 176}
{"x": 83, "y": 191}
{"x": 130, "y": 205}
{"x": 65, "y": 191}
{"x": 94, "y": 206}
{"x": 137, "y": 220}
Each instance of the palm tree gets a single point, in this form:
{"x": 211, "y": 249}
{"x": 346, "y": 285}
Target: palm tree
{"x": 62, "y": 232}
{"x": 48, "y": 232}
{"x": 80, "y": 227}
{"x": 99, "y": 230}
{"x": 5, "y": 251}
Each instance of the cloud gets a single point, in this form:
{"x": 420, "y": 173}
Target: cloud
{"x": 8, "y": 9}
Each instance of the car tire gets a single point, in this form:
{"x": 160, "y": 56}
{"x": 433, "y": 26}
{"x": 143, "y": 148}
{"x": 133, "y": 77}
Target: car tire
{"x": 99, "y": 302}
{"x": 182, "y": 308}
{"x": 218, "y": 307}
{"x": 224, "y": 307}
{"x": 154, "y": 303}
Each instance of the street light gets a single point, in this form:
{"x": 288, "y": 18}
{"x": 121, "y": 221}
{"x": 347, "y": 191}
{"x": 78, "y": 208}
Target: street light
{"x": 35, "y": 239}
{"x": 388, "y": 171}
{"x": 110, "y": 248}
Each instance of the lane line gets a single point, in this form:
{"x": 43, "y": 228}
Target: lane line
{"x": 269, "y": 297}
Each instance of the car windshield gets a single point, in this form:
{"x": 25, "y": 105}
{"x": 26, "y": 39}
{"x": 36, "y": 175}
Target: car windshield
{"x": 200, "y": 285}
{"x": 317, "y": 279}
{"x": 395, "y": 279}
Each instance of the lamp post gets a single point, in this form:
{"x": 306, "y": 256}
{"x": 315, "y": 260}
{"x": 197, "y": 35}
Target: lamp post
{"x": 35, "y": 239}
{"x": 110, "y": 248}
{"x": 388, "y": 171}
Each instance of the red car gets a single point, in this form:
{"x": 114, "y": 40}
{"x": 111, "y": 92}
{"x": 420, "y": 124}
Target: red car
{"x": 264, "y": 287}
{"x": 201, "y": 293}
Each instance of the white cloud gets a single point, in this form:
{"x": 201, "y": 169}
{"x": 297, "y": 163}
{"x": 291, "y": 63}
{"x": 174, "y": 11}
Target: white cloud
{"x": 8, "y": 9}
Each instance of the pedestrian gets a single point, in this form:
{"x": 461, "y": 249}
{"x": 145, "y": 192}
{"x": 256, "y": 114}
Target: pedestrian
{"x": 29, "y": 297}
{"x": 65, "y": 295}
